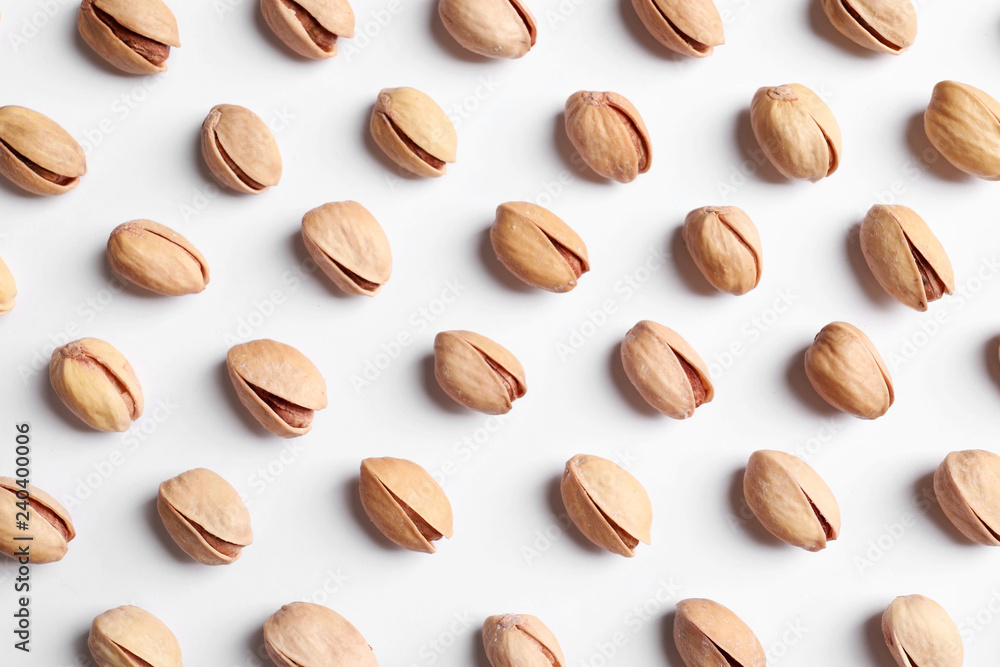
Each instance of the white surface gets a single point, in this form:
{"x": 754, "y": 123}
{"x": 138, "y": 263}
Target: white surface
{"x": 417, "y": 610}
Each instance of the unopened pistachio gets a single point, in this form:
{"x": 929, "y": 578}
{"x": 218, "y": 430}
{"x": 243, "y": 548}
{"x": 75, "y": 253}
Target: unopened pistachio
{"x": 311, "y": 28}
{"x": 887, "y": 26}
{"x": 791, "y": 500}
{"x": 689, "y": 27}
{"x": 491, "y": 28}
{"x": 797, "y": 131}
{"x": 349, "y": 246}
{"x": 919, "y": 633}
{"x": 538, "y": 247}
{"x": 967, "y": 486}
{"x": 477, "y": 372}
{"x": 240, "y": 149}
{"x": 844, "y": 368}
{"x": 963, "y": 123}
{"x": 904, "y": 255}
{"x": 609, "y": 134}
{"x": 132, "y": 637}
{"x": 8, "y": 289}
{"x": 133, "y": 35}
{"x": 413, "y": 131}
{"x": 37, "y": 154}
{"x": 277, "y": 384}
{"x": 607, "y": 504}
{"x": 708, "y": 634}
{"x": 97, "y": 383}
{"x": 303, "y": 634}
{"x": 666, "y": 370}
{"x": 157, "y": 258}
{"x": 405, "y": 503}
{"x": 520, "y": 640}
{"x": 725, "y": 246}
{"x": 49, "y": 526}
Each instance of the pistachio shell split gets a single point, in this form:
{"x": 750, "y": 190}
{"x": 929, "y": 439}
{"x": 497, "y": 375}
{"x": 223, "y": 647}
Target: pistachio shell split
{"x": 967, "y": 486}
{"x": 708, "y": 634}
{"x": 413, "y": 131}
{"x": 132, "y": 637}
{"x": 725, "y": 246}
{"x": 689, "y": 27}
{"x": 491, "y": 28}
{"x": 844, "y": 368}
{"x": 405, "y": 503}
{"x": 49, "y": 526}
{"x": 520, "y": 640}
{"x": 349, "y": 246}
{"x": 310, "y": 28}
{"x": 963, "y": 123}
{"x": 886, "y": 26}
{"x": 477, "y": 372}
{"x": 240, "y": 149}
{"x": 303, "y": 634}
{"x": 609, "y": 134}
{"x": 797, "y": 131}
{"x": 133, "y": 35}
{"x": 97, "y": 383}
{"x": 157, "y": 258}
{"x": 538, "y": 247}
{"x": 37, "y": 154}
{"x": 919, "y": 633}
{"x": 8, "y": 289}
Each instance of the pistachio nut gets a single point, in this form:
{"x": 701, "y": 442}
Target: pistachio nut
{"x": 538, "y": 247}
{"x": 303, "y": 634}
{"x": 708, "y": 634}
{"x": 520, "y": 640}
{"x": 666, "y": 370}
{"x": 37, "y": 154}
{"x": 132, "y": 637}
{"x": 133, "y": 35}
{"x": 963, "y": 123}
{"x": 240, "y": 150}
{"x": 904, "y": 255}
{"x": 887, "y": 26}
{"x": 791, "y": 500}
{"x": 413, "y": 131}
{"x": 8, "y": 289}
{"x": 49, "y": 526}
{"x": 689, "y": 27}
{"x": 725, "y": 246}
{"x": 609, "y": 134}
{"x": 349, "y": 246}
{"x": 405, "y": 503}
{"x": 797, "y": 131}
{"x": 606, "y": 503}
{"x": 205, "y": 516}
{"x": 477, "y": 372}
{"x": 844, "y": 368}
{"x": 967, "y": 486}
{"x": 277, "y": 384}
{"x": 919, "y": 633}
{"x": 157, "y": 258}
{"x": 310, "y": 28}
{"x": 97, "y": 383}
{"x": 491, "y": 28}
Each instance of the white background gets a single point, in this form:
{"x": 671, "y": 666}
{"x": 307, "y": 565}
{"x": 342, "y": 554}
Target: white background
{"x": 509, "y": 553}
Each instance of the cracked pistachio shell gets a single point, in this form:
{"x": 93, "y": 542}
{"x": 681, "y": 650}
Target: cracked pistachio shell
{"x": 129, "y": 637}
{"x": 607, "y": 504}
{"x": 240, "y": 149}
{"x": 886, "y": 26}
{"x": 689, "y": 27}
{"x": 37, "y": 154}
{"x": 277, "y": 384}
{"x": 347, "y": 243}
{"x": 844, "y": 368}
{"x": 538, "y": 247}
{"x": 133, "y": 35}
{"x": 963, "y": 123}
{"x": 477, "y": 372}
{"x": 405, "y": 503}
{"x": 725, "y": 246}
{"x": 708, "y": 634}
{"x": 791, "y": 500}
{"x": 490, "y": 28}
{"x": 205, "y": 516}
{"x": 905, "y": 257}
{"x": 967, "y": 486}
{"x": 97, "y": 383}
{"x": 310, "y": 28}
{"x": 609, "y": 134}
{"x": 919, "y": 633}
{"x": 520, "y": 640}
{"x": 797, "y": 131}
{"x": 49, "y": 524}
{"x": 413, "y": 131}
{"x": 8, "y": 289}
{"x": 157, "y": 258}
{"x": 665, "y": 369}
{"x": 302, "y": 634}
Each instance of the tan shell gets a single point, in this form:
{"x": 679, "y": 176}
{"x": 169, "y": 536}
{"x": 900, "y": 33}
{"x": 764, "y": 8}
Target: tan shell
{"x": 708, "y": 634}
{"x": 844, "y": 368}
{"x": 791, "y": 500}
{"x": 413, "y": 131}
{"x": 37, "y": 154}
{"x": 311, "y": 28}
{"x": 491, "y": 28}
{"x": 606, "y": 503}
{"x": 129, "y": 637}
{"x": 538, "y": 247}
{"x": 133, "y": 35}
{"x": 919, "y": 633}
{"x": 887, "y": 26}
{"x": 689, "y": 27}
{"x": 349, "y": 245}
{"x": 609, "y": 134}
{"x": 797, "y": 131}
{"x": 904, "y": 255}
{"x": 405, "y": 503}
{"x": 520, "y": 640}
{"x": 49, "y": 524}
{"x": 97, "y": 383}
{"x": 302, "y": 634}
{"x": 240, "y": 149}
{"x": 967, "y": 486}
{"x": 157, "y": 258}
{"x": 963, "y": 123}
{"x": 8, "y": 289}
{"x": 477, "y": 372}
{"x": 725, "y": 246}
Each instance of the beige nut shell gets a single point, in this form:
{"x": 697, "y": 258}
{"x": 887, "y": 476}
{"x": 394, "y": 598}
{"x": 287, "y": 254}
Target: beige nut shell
{"x": 533, "y": 243}
{"x": 157, "y": 258}
{"x": 520, "y": 640}
{"x": 844, "y": 368}
{"x": 8, "y": 289}
{"x": 120, "y": 636}
{"x": 689, "y": 27}
{"x": 468, "y": 367}
{"x": 967, "y": 486}
{"x": 885, "y": 26}
{"x": 349, "y": 246}
{"x": 725, "y": 246}
{"x": 151, "y": 19}
{"x": 797, "y": 131}
{"x": 49, "y": 524}
{"x": 329, "y": 16}
{"x": 705, "y": 632}
{"x": 609, "y": 134}
{"x": 241, "y": 135}
{"x": 97, "y": 383}
{"x": 405, "y": 503}
{"x": 963, "y": 123}
{"x": 413, "y": 131}
{"x": 29, "y": 136}
{"x": 303, "y": 634}
{"x": 490, "y": 28}
{"x": 919, "y": 633}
